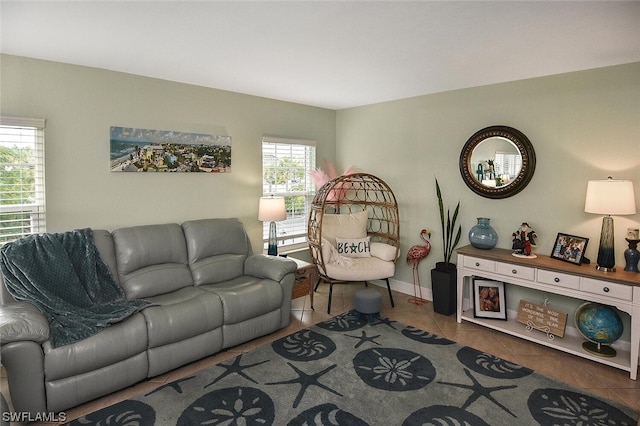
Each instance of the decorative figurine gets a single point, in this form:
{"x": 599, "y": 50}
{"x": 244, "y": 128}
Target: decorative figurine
{"x": 523, "y": 240}
{"x": 414, "y": 256}
{"x": 632, "y": 256}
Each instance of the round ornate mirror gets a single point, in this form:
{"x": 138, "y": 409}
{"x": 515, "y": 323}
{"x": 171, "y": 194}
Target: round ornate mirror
{"x": 497, "y": 162}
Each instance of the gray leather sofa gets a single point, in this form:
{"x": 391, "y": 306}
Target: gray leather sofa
{"x": 209, "y": 292}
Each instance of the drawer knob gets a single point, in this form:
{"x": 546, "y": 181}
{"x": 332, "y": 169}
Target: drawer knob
{"x": 513, "y": 271}
{"x": 477, "y": 263}
{"x": 556, "y": 279}
{"x": 606, "y": 289}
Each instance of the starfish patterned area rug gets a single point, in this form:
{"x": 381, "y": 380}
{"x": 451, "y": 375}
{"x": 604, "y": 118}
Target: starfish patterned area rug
{"x": 350, "y": 370}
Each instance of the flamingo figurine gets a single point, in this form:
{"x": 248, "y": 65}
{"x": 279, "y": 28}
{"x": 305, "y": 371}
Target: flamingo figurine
{"x": 414, "y": 256}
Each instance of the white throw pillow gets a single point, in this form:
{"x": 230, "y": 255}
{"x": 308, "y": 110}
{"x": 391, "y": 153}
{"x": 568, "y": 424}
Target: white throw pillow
{"x": 331, "y": 256}
{"x": 349, "y": 225}
{"x": 354, "y": 247}
{"x": 383, "y": 251}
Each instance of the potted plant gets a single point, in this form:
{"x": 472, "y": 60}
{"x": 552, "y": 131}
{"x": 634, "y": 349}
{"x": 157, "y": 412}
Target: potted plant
{"x": 444, "y": 276}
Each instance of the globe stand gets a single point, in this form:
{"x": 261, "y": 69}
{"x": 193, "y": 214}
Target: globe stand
{"x": 599, "y": 349}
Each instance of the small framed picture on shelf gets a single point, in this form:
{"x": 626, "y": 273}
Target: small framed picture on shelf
{"x": 489, "y": 299}
{"x": 570, "y": 248}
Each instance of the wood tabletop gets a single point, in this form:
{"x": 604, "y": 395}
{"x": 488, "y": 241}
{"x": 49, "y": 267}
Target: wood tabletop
{"x": 546, "y": 262}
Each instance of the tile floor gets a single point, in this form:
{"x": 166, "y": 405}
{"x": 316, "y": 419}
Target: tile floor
{"x": 605, "y": 381}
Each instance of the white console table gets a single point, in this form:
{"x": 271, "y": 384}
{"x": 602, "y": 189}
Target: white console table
{"x": 620, "y": 289}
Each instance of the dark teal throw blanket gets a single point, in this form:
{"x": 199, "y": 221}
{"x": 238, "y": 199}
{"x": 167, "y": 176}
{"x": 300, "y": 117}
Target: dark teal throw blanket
{"x": 65, "y": 277}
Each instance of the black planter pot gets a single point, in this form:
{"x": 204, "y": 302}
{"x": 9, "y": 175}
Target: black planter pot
{"x": 444, "y": 281}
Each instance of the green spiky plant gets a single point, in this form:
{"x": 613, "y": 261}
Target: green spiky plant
{"x": 448, "y": 228}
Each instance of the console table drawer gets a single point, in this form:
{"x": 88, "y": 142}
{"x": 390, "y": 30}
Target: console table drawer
{"x": 604, "y": 288}
{"x": 522, "y": 272}
{"x": 480, "y": 264}
{"x": 558, "y": 279}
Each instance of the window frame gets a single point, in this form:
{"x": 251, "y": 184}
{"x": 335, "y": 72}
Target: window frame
{"x": 25, "y": 134}
{"x": 292, "y": 232}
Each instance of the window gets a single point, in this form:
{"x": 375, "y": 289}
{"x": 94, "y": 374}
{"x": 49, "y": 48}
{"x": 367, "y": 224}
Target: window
{"x": 508, "y": 163}
{"x": 22, "y": 209}
{"x": 286, "y": 164}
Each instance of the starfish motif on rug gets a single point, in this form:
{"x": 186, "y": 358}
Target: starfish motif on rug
{"x": 364, "y": 338}
{"x": 236, "y": 368}
{"x": 175, "y": 385}
{"x": 306, "y": 381}
{"x": 479, "y": 390}
{"x": 385, "y": 321}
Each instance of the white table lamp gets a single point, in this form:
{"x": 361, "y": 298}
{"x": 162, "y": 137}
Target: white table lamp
{"x": 272, "y": 209}
{"x": 609, "y": 197}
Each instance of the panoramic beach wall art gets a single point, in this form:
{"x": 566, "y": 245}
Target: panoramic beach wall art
{"x": 146, "y": 150}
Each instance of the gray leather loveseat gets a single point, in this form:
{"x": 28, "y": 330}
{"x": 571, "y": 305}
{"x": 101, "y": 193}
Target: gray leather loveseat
{"x": 208, "y": 293}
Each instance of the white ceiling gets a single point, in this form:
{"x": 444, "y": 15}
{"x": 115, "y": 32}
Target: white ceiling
{"x": 333, "y": 54}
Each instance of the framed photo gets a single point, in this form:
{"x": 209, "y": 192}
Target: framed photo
{"x": 569, "y": 248}
{"x": 489, "y": 299}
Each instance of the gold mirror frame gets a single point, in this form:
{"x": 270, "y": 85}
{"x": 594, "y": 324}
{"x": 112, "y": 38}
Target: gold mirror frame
{"x": 527, "y": 154}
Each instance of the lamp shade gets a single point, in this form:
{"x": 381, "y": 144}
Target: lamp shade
{"x": 271, "y": 209}
{"x": 610, "y": 197}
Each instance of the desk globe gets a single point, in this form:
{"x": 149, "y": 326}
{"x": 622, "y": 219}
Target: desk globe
{"x": 600, "y": 325}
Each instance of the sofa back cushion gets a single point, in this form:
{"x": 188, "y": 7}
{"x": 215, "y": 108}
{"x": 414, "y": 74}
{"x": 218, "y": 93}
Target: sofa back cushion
{"x": 104, "y": 244}
{"x": 217, "y": 249}
{"x": 152, "y": 259}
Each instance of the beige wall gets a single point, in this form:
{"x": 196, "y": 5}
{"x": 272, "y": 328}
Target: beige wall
{"x": 583, "y": 125}
{"x": 80, "y": 104}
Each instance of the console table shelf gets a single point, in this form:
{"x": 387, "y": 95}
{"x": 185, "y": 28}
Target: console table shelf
{"x": 620, "y": 289}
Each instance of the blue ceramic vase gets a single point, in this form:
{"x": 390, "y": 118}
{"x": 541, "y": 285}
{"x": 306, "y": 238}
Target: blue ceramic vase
{"x": 482, "y": 235}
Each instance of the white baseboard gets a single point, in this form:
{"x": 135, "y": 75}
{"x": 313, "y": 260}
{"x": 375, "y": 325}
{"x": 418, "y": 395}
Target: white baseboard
{"x": 404, "y": 287}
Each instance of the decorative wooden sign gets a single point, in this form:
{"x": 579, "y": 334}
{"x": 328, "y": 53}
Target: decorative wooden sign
{"x": 542, "y": 318}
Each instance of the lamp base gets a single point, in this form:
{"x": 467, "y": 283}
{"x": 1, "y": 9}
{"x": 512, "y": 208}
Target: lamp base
{"x": 606, "y": 268}
{"x": 272, "y": 249}
{"x": 606, "y": 255}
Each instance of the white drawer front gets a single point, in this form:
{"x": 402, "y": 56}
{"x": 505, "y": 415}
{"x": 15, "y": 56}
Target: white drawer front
{"x": 479, "y": 264}
{"x": 517, "y": 271}
{"x": 558, "y": 279}
{"x": 604, "y": 288}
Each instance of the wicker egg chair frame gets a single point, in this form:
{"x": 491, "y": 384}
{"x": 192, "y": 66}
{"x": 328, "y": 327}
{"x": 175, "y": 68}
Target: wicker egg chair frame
{"x": 351, "y": 194}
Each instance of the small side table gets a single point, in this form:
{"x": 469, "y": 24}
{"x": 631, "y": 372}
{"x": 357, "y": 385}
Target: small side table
{"x": 306, "y": 278}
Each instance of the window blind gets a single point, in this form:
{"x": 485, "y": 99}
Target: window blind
{"x": 286, "y": 164}
{"x": 22, "y": 191}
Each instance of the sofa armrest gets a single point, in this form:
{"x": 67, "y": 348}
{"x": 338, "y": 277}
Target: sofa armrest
{"x": 22, "y": 321}
{"x": 272, "y": 267}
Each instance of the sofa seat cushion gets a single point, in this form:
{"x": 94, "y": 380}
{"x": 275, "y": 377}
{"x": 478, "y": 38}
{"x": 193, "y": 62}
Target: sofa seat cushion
{"x": 116, "y": 343}
{"x": 361, "y": 269}
{"x": 182, "y": 314}
{"x": 247, "y": 297}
